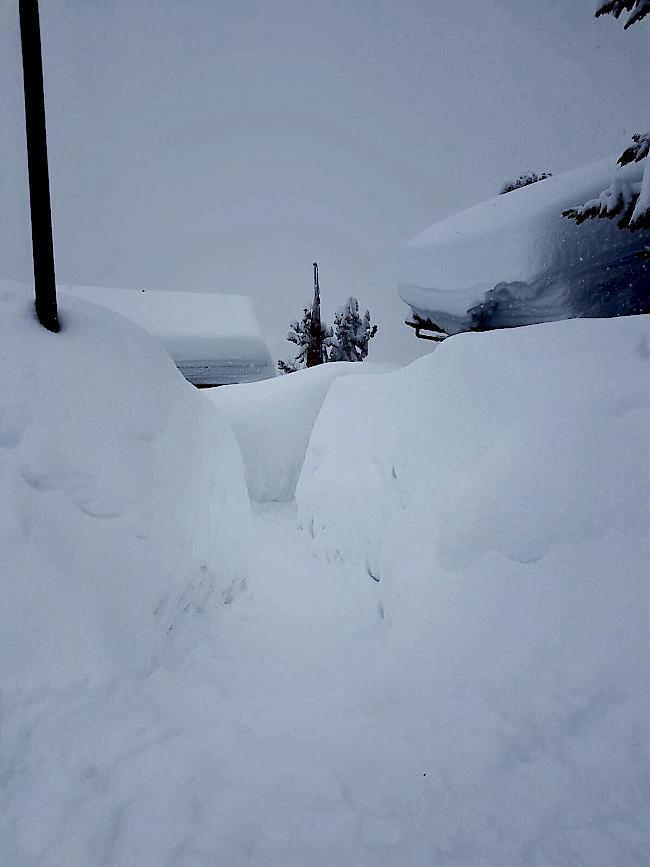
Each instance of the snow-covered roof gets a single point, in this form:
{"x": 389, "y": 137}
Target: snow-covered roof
{"x": 214, "y": 339}
{"x": 551, "y": 266}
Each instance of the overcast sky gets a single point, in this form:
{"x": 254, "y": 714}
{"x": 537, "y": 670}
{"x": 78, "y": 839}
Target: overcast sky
{"x": 225, "y": 145}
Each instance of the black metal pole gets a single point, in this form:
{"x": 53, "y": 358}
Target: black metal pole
{"x": 39, "y": 180}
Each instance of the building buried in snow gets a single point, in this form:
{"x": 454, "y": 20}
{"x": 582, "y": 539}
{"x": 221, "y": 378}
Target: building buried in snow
{"x": 515, "y": 260}
{"x": 214, "y": 339}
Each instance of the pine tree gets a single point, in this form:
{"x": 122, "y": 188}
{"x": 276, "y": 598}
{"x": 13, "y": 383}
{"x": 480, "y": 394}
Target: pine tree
{"x": 288, "y": 366}
{"x": 352, "y": 333}
{"x": 310, "y": 335}
{"x": 638, "y": 10}
{"x": 318, "y": 334}
{"x": 524, "y": 179}
{"x": 623, "y": 200}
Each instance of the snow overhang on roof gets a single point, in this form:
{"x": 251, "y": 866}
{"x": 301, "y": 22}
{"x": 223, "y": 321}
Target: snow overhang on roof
{"x": 515, "y": 260}
{"x": 214, "y": 339}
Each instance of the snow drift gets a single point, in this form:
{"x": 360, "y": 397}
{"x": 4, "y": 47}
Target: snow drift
{"x": 483, "y": 702}
{"x": 513, "y": 441}
{"x": 514, "y": 260}
{"x": 123, "y": 505}
{"x": 214, "y": 338}
{"x": 273, "y": 422}
{"x": 497, "y": 491}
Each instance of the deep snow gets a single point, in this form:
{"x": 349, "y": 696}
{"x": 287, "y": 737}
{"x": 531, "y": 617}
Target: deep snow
{"x": 122, "y": 500}
{"x": 320, "y": 720}
{"x": 447, "y": 666}
{"x": 511, "y": 442}
{"x": 497, "y": 491}
{"x": 515, "y": 260}
{"x": 273, "y": 422}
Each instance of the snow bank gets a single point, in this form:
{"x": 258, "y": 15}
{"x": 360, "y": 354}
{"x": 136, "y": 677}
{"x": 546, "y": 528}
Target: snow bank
{"x": 544, "y": 267}
{"x": 273, "y": 421}
{"x": 213, "y": 338}
{"x": 512, "y": 441}
{"x": 484, "y": 703}
{"x": 122, "y": 502}
{"x": 498, "y": 492}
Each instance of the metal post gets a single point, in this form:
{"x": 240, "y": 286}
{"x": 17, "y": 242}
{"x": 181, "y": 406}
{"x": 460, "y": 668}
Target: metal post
{"x": 39, "y": 181}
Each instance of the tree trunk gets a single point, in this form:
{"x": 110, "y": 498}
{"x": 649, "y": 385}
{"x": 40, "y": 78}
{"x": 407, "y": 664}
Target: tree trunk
{"x": 315, "y": 347}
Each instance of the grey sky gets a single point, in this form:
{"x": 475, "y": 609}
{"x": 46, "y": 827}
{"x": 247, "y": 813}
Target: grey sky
{"x": 224, "y": 146}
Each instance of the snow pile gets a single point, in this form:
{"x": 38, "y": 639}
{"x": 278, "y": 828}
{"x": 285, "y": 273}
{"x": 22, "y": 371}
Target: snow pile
{"x": 498, "y": 492}
{"x": 514, "y": 260}
{"x": 122, "y": 500}
{"x": 214, "y": 339}
{"x": 485, "y": 702}
{"x": 514, "y": 441}
{"x": 273, "y": 422}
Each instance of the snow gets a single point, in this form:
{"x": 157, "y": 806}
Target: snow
{"x": 447, "y": 666}
{"x": 123, "y": 502}
{"x": 213, "y": 338}
{"x": 552, "y": 269}
{"x": 497, "y": 492}
{"x": 273, "y": 421}
{"x": 642, "y": 206}
{"x": 511, "y": 442}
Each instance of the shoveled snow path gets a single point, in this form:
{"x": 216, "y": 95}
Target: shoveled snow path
{"x": 260, "y": 743}
{"x": 286, "y": 729}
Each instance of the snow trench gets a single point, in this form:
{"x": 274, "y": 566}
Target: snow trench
{"x": 437, "y": 655}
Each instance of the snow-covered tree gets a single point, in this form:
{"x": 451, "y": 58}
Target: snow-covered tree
{"x": 638, "y": 9}
{"x": 318, "y": 334}
{"x": 318, "y": 343}
{"x": 624, "y": 200}
{"x": 290, "y": 366}
{"x": 352, "y": 333}
{"x": 524, "y": 179}
{"x": 310, "y": 335}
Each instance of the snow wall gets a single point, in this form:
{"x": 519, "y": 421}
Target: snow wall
{"x": 122, "y": 500}
{"x": 273, "y": 421}
{"x": 497, "y": 491}
{"x": 514, "y": 260}
{"x": 511, "y": 441}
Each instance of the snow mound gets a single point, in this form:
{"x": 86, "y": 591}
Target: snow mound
{"x": 498, "y": 493}
{"x": 273, "y": 421}
{"x": 484, "y": 701}
{"x": 514, "y": 260}
{"x": 122, "y": 503}
{"x": 512, "y": 442}
{"x": 213, "y": 338}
